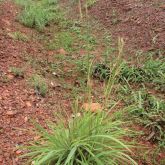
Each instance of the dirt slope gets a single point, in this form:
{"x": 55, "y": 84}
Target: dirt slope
{"x": 140, "y": 22}
{"x": 18, "y": 102}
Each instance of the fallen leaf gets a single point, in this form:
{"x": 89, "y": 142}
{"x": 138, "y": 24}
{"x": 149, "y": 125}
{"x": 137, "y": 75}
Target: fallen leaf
{"x": 6, "y": 22}
{"x": 11, "y": 113}
{"x": 28, "y": 104}
{"x": 26, "y": 119}
{"x": 62, "y": 51}
{"x": 162, "y": 7}
{"x": 10, "y": 76}
{"x": 93, "y": 107}
{"x": 18, "y": 152}
{"x": 37, "y": 137}
{"x": 50, "y": 53}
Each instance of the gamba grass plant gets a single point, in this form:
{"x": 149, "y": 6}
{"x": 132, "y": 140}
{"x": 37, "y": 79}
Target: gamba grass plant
{"x": 115, "y": 71}
{"x": 88, "y": 139}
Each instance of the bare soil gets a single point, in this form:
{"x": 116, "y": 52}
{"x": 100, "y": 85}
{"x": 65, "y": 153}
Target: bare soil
{"x": 140, "y": 22}
{"x": 18, "y": 101}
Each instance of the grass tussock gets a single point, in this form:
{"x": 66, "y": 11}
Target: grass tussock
{"x": 88, "y": 139}
{"x": 39, "y": 14}
{"x": 39, "y": 85}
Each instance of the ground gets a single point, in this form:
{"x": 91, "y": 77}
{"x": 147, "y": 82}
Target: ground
{"x": 18, "y": 102}
{"x": 141, "y": 23}
{"x": 141, "y": 26}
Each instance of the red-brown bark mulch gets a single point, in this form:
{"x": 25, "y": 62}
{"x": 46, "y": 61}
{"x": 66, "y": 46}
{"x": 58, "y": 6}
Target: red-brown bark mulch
{"x": 18, "y": 102}
{"x": 140, "y": 23}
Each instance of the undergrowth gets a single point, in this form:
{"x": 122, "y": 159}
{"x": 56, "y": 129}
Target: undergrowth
{"x": 152, "y": 71}
{"x": 150, "y": 112}
{"x": 88, "y": 139}
{"x": 39, "y": 85}
{"x": 39, "y": 14}
{"x": 18, "y": 72}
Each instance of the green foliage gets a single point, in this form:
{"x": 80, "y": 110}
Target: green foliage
{"x": 23, "y": 2}
{"x": 101, "y": 71}
{"x": 132, "y": 73}
{"x": 154, "y": 68}
{"x": 150, "y": 112}
{"x": 39, "y": 84}
{"x": 115, "y": 19}
{"x": 19, "y": 36}
{"x": 89, "y": 41}
{"x": 83, "y": 63}
{"x": 90, "y": 3}
{"x": 62, "y": 40}
{"x": 18, "y": 72}
{"x": 153, "y": 71}
{"x": 39, "y": 14}
{"x": 4, "y": 78}
{"x": 86, "y": 139}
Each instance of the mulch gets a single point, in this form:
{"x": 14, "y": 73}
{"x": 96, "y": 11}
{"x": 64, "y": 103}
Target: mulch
{"x": 140, "y": 23}
{"x": 18, "y": 102}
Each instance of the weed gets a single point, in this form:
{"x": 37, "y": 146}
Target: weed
{"x": 88, "y": 40}
{"x": 62, "y": 40}
{"x": 18, "y": 72}
{"x": 39, "y": 14}
{"x": 90, "y": 3}
{"x": 39, "y": 84}
{"x": 83, "y": 63}
{"x": 4, "y": 78}
{"x": 19, "y": 36}
{"x": 150, "y": 112}
{"x": 86, "y": 139}
{"x": 153, "y": 71}
{"x": 132, "y": 73}
{"x": 115, "y": 19}
{"x": 101, "y": 71}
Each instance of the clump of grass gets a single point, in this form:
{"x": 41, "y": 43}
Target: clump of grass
{"x": 132, "y": 73}
{"x": 153, "y": 71}
{"x": 87, "y": 139}
{"x": 115, "y": 19}
{"x": 19, "y": 36}
{"x": 90, "y": 3}
{"x": 39, "y": 14}
{"x": 83, "y": 63}
{"x": 23, "y": 2}
{"x": 101, "y": 71}
{"x": 62, "y": 40}
{"x": 39, "y": 84}
{"x": 18, "y": 72}
{"x": 150, "y": 112}
{"x": 4, "y": 78}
